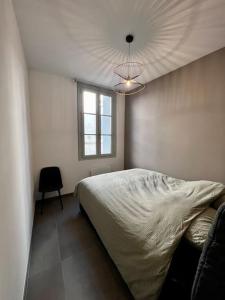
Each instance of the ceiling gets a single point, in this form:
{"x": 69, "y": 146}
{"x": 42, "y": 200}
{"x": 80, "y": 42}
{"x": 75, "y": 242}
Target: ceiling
{"x": 85, "y": 39}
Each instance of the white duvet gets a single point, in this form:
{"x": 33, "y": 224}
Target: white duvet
{"x": 140, "y": 216}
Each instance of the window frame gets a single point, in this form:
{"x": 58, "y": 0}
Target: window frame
{"x": 80, "y": 113}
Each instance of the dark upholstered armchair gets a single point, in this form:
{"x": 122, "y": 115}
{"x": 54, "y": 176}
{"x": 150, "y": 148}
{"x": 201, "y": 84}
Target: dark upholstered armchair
{"x": 208, "y": 282}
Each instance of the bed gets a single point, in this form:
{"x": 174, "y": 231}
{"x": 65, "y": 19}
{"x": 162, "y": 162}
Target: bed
{"x": 141, "y": 216}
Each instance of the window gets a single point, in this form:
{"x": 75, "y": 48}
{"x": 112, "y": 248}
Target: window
{"x": 96, "y": 122}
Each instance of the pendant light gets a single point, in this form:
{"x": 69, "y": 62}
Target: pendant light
{"x": 128, "y": 73}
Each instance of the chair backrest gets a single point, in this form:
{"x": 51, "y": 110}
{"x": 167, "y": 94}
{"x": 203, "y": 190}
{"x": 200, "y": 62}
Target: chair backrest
{"x": 50, "y": 179}
{"x": 209, "y": 282}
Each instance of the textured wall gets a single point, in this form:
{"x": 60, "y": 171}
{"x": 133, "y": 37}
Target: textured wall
{"x": 16, "y": 187}
{"x": 177, "y": 124}
{"x": 55, "y": 133}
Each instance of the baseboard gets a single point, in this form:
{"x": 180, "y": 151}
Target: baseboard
{"x": 27, "y": 276}
{"x": 28, "y": 263}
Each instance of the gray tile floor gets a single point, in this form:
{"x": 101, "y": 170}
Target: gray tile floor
{"x": 68, "y": 262}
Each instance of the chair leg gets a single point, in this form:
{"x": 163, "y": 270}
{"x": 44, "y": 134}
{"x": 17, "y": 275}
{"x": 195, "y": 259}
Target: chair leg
{"x": 60, "y": 198}
{"x": 42, "y": 202}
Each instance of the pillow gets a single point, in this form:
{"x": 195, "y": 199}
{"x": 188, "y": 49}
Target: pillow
{"x": 197, "y": 232}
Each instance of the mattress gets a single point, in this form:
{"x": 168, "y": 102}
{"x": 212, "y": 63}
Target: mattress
{"x": 140, "y": 216}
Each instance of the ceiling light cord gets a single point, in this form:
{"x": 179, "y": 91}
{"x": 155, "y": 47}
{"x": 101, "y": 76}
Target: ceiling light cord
{"x": 129, "y": 61}
{"x": 128, "y": 53}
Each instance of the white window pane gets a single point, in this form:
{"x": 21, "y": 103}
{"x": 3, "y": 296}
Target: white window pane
{"x": 90, "y": 145}
{"x": 89, "y": 124}
{"x": 106, "y": 127}
{"x": 106, "y": 105}
{"x": 89, "y": 102}
{"x": 106, "y": 141}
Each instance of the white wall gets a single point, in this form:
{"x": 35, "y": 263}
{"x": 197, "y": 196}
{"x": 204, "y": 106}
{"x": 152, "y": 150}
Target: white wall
{"x": 16, "y": 204}
{"x": 54, "y": 130}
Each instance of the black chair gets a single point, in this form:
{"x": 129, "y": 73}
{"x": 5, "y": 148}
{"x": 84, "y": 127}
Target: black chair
{"x": 50, "y": 180}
